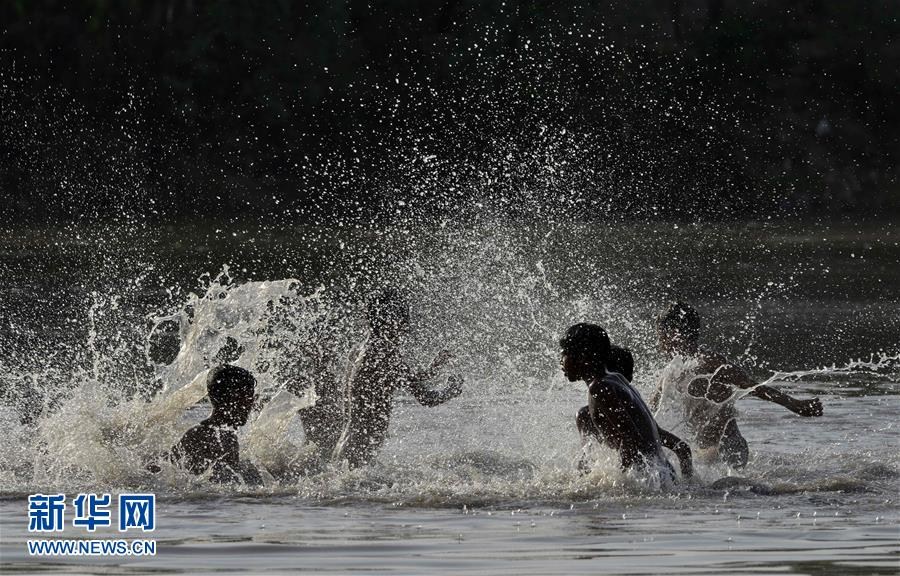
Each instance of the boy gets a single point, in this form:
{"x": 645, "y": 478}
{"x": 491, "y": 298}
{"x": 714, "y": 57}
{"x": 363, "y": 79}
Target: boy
{"x": 616, "y": 415}
{"x": 213, "y": 443}
{"x": 709, "y": 386}
{"x": 380, "y": 374}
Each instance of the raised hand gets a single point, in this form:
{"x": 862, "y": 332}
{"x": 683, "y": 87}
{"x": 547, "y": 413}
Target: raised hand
{"x": 812, "y": 407}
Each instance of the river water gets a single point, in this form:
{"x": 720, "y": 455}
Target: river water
{"x": 485, "y": 483}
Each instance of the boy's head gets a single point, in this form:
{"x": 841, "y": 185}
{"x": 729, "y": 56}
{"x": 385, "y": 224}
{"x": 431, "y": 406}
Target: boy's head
{"x": 620, "y": 360}
{"x": 388, "y": 313}
{"x": 678, "y": 328}
{"x": 584, "y": 350}
{"x": 231, "y": 391}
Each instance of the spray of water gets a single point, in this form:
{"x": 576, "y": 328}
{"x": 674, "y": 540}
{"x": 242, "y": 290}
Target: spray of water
{"x": 497, "y": 298}
{"x": 503, "y": 219}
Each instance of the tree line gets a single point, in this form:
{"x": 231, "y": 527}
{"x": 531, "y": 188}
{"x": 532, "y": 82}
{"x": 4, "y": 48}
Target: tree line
{"x": 162, "y": 108}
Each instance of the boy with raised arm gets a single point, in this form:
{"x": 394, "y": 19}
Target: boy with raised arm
{"x": 616, "y": 415}
{"x": 213, "y": 444}
{"x": 708, "y": 384}
{"x": 380, "y": 374}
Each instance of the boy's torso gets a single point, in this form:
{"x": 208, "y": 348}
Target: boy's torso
{"x": 203, "y": 445}
{"x": 633, "y": 423}
{"x": 705, "y": 418}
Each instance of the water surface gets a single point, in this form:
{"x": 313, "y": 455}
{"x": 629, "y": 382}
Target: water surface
{"x": 485, "y": 483}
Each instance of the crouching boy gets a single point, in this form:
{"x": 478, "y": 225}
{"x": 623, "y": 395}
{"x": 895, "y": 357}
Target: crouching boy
{"x": 616, "y": 415}
{"x": 212, "y": 445}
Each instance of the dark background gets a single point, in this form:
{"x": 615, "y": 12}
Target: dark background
{"x": 348, "y": 110}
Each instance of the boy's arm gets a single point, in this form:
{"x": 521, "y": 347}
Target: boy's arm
{"x": 734, "y": 376}
{"x": 586, "y": 426}
{"x": 680, "y": 448}
{"x": 415, "y": 383}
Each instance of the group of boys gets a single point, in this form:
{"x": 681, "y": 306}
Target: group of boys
{"x": 344, "y": 424}
{"x": 351, "y": 424}
{"x": 618, "y": 417}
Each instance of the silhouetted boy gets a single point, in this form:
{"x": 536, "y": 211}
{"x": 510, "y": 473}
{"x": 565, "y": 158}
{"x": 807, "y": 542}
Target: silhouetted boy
{"x": 616, "y": 414}
{"x": 710, "y": 388}
{"x": 213, "y": 443}
{"x": 380, "y": 373}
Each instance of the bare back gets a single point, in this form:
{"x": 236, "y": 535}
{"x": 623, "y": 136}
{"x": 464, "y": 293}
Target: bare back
{"x": 624, "y": 420}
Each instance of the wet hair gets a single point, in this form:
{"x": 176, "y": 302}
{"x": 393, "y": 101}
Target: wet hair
{"x": 586, "y": 342}
{"x": 620, "y": 360}
{"x": 229, "y": 383}
{"x": 388, "y": 308}
{"x": 682, "y": 320}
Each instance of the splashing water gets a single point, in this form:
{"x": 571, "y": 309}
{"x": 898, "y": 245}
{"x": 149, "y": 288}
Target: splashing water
{"x": 102, "y": 433}
{"x": 498, "y": 299}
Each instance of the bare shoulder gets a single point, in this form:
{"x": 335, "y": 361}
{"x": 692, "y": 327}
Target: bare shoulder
{"x": 711, "y": 360}
{"x": 604, "y": 388}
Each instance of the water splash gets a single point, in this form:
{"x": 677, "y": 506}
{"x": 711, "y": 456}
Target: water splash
{"x": 498, "y": 297}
